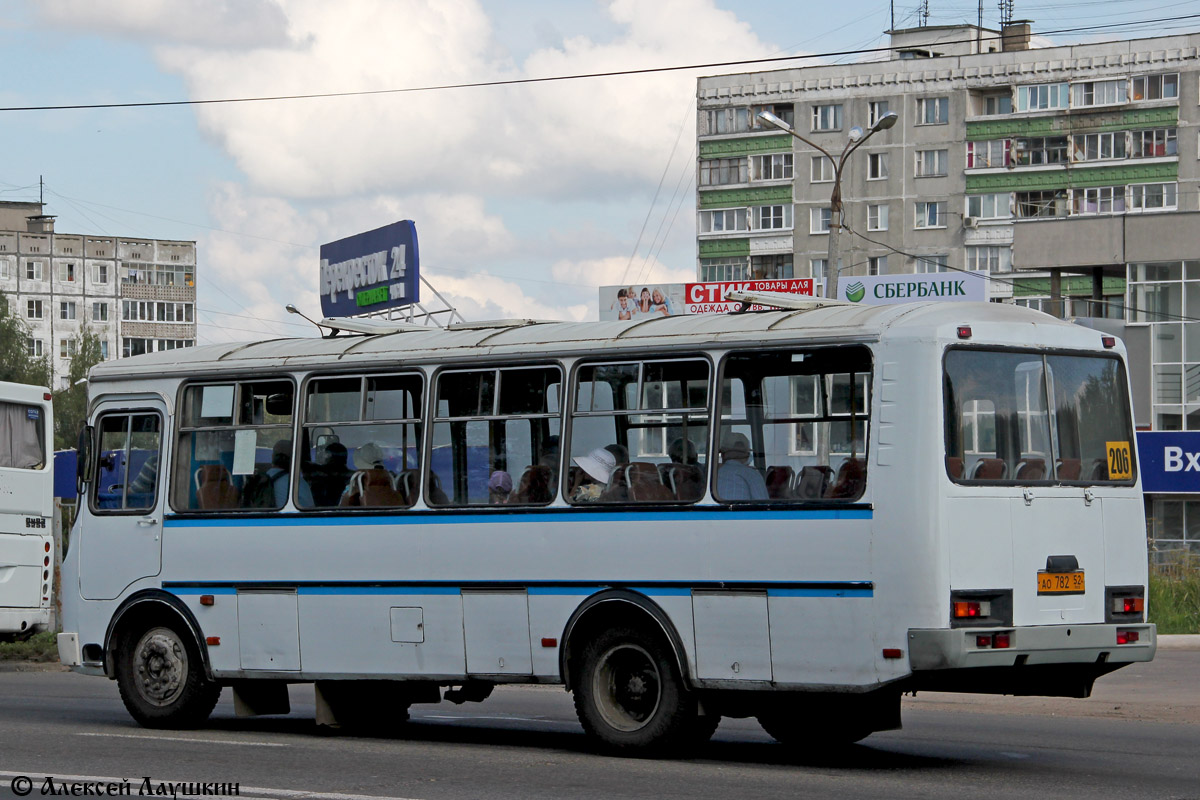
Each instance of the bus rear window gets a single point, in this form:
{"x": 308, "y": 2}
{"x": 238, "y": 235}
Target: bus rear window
{"x": 22, "y": 436}
{"x": 1025, "y": 418}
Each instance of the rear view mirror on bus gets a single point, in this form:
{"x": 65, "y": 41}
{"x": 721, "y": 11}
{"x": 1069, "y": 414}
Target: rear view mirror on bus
{"x": 83, "y": 457}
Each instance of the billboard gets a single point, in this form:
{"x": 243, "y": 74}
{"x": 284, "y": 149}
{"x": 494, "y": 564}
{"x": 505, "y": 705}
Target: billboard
{"x": 371, "y": 271}
{"x": 669, "y": 299}
{"x": 1169, "y": 461}
{"x": 879, "y": 290}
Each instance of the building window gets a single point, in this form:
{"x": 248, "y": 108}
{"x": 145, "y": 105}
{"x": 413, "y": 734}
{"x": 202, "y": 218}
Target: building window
{"x": 989, "y": 258}
{"x": 1041, "y": 98}
{"x": 66, "y": 348}
{"x": 933, "y": 110}
{"x": 724, "y": 220}
{"x": 146, "y": 311}
{"x": 33, "y": 309}
{"x": 876, "y": 109}
{"x": 997, "y": 103}
{"x": 66, "y": 310}
{"x": 931, "y": 215}
{"x": 65, "y": 271}
{"x": 771, "y": 218}
{"x": 1099, "y": 93}
{"x": 991, "y": 153}
{"x": 989, "y": 206}
{"x": 1153, "y": 143}
{"x": 33, "y": 271}
{"x": 100, "y": 273}
{"x": 822, "y": 170}
{"x": 938, "y": 263}
{"x": 1155, "y": 87}
{"x": 877, "y": 265}
{"x": 819, "y": 220}
{"x": 877, "y": 166}
{"x": 728, "y": 120}
{"x": 1099, "y": 200}
{"x": 139, "y": 346}
{"x": 724, "y": 269}
{"x": 720, "y": 171}
{"x": 99, "y": 312}
{"x": 1041, "y": 204}
{"x": 775, "y": 167}
{"x": 827, "y": 117}
{"x": 33, "y": 347}
{"x": 1099, "y": 146}
{"x": 932, "y": 163}
{"x": 785, "y": 111}
{"x": 5, "y": 270}
{"x": 816, "y": 268}
{"x": 104, "y": 349}
{"x": 1152, "y": 196}
{"x": 773, "y": 267}
{"x": 877, "y": 217}
{"x": 1039, "y": 150}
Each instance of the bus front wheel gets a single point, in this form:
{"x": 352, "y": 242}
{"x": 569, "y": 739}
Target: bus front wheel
{"x": 161, "y": 677}
{"x": 629, "y": 694}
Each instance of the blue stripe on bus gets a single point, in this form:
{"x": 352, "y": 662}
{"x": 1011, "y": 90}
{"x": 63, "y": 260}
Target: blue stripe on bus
{"x": 664, "y": 589}
{"x": 308, "y": 521}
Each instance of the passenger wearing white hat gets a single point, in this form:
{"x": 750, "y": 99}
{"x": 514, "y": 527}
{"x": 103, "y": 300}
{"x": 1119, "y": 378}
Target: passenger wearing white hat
{"x": 597, "y": 467}
{"x": 737, "y": 480}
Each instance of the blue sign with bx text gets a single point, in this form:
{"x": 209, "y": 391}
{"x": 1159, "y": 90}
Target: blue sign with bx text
{"x": 371, "y": 271}
{"x": 1170, "y": 461}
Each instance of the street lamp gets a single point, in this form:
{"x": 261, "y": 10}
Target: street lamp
{"x": 857, "y": 137}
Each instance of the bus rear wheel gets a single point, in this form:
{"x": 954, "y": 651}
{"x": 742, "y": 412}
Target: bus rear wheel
{"x": 630, "y": 696}
{"x": 161, "y": 677}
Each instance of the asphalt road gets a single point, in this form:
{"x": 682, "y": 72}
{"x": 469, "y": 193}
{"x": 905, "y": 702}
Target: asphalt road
{"x": 1138, "y": 736}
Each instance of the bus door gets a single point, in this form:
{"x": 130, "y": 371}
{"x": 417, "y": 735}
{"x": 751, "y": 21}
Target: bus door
{"x": 122, "y": 541}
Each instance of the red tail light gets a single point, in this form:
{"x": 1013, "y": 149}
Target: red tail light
{"x": 966, "y": 609}
{"x": 1130, "y": 605}
{"x": 1127, "y": 637}
{"x": 1000, "y": 641}
{"x": 1108, "y": 341}
{"x": 964, "y": 331}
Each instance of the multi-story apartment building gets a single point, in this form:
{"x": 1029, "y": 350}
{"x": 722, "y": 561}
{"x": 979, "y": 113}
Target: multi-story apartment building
{"x": 1070, "y": 176}
{"x": 986, "y": 137}
{"x": 137, "y": 295}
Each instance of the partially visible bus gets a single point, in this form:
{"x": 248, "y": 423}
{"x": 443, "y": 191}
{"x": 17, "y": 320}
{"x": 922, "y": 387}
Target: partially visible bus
{"x": 26, "y": 508}
{"x": 796, "y": 515}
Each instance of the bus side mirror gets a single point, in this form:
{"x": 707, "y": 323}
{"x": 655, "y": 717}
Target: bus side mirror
{"x": 84, "y": 462}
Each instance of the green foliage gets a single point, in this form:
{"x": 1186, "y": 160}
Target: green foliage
{"x": 16, "y": 365}
{"x": 1174, "y": 601}
{"x": 39, "y": 647}
{"x": 70, "y": 404}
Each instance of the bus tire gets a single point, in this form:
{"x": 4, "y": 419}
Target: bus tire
{"x": 630, "y": 697}
{"x": 161, "y": 677}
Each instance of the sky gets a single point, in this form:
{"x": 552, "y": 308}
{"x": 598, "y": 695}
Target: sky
{"x": 525, "y": 197}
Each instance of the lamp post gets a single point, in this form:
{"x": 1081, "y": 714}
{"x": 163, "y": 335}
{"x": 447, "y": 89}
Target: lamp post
{"x": 857, "y": 137}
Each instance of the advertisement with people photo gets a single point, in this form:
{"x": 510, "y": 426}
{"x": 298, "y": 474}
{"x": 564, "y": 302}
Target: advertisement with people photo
{"x": 669, "y": 299}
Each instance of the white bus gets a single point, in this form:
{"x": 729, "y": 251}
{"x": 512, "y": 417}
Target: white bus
{"x": 796, "y": 515}
{"x": 26, "y": 509}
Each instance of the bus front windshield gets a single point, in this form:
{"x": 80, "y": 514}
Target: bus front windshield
{"x": 1024, "y": 417}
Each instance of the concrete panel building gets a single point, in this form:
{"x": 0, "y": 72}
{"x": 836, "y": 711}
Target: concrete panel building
{"x": 138, "y": 295}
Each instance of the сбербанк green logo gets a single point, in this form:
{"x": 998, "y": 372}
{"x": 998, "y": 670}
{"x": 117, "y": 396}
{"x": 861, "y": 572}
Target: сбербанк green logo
{"x": 855, "y": 292}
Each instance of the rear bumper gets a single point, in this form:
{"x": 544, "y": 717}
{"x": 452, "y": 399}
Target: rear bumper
{"x": 19, "y": 620}
{"x": 1043, "y": 645}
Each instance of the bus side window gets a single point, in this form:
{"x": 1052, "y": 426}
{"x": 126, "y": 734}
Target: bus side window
{"x": 361, "y": 441}
{"x": 639, "y": 432}
{"x": 127, "y": 454}
{"x": 495, "y": 437}
{"x": 794, "y": 426}
{"x": 234, "y": 447}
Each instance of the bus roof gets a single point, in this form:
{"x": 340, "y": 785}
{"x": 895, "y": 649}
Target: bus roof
{"x": 994, "y": 322}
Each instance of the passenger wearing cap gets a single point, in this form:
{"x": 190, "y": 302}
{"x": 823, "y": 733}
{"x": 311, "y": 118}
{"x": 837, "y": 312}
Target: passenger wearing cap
{"x": 499, "y": 487}
{"x": 597, "y": 467}
{"x": 737, "y": 480}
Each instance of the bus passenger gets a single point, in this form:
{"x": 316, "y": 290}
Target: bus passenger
{"x": 597, "y": 467}
{"x": 499, "y": 487}
{"x": 736, "y": 480}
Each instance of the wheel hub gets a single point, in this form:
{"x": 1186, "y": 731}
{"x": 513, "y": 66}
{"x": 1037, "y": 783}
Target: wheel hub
{"x": 161, "y": 664}
{"x": 627, "y": 687}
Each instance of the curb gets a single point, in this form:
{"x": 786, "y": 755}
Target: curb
{"x": 1179, "y": 641}
{"x": 37, "y": 666}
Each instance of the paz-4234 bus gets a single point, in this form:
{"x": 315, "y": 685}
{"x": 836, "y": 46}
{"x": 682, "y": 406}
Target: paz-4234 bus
{"x": 796, "y": 515}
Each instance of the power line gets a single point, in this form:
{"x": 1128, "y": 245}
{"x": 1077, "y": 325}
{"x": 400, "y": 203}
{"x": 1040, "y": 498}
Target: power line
{"x": 556, "y": 78}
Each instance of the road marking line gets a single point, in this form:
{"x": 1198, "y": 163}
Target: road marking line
{"x": 245, "y": 791}
{"x": 183, "y": 739}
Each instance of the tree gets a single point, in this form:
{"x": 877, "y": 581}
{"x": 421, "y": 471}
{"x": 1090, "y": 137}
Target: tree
{"x": 71, "y": 403}
{"x": 16, "y": 363}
